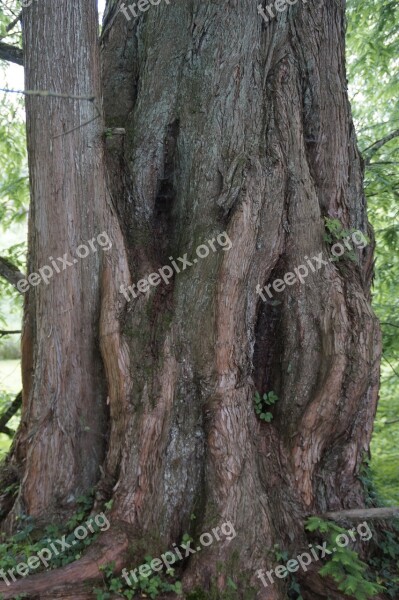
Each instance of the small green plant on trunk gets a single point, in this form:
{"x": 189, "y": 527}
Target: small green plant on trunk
{"x": 261, "y": 404}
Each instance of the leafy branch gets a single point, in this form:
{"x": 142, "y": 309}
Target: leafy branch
{"x": 373, "y": 149}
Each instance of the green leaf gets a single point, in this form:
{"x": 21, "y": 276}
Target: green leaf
{"x": 231, "y": 584}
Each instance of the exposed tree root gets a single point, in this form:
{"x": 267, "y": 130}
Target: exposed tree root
{"x": 363, "y": 513}
{"x": 111, "y": 547}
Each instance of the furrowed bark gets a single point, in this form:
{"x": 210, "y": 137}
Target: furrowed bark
{"x": 64, "y": 408}
{"x": 278, "y": 131}
{"x": 267, "y": 169}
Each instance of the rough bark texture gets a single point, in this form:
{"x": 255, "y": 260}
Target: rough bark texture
{"x": 235, "y": 126}
{"x": 64, "y": 411}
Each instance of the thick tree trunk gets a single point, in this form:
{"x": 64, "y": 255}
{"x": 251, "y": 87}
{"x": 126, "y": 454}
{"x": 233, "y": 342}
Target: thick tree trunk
{"x": 231, "y": 126}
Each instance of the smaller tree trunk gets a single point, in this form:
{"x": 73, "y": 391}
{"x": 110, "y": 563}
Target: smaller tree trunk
{"x": 61, "y": 440}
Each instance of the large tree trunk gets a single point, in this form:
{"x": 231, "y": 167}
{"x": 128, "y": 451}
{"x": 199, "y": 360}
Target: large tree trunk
{"x": 231, "y": 126}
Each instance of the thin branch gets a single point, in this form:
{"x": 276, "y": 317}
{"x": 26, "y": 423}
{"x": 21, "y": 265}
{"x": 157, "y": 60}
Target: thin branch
{"x": 48, "y": 94}
{"x": 81, "y": 125}
{"x": 386, "y": 360}
{"x": 11, "y": 54}
{"x": 3, "y": 333}
{"x": 11, "y": 25}
{"x": 10, "y": 272}
{"x": 390, "y": 324}
{"x": 383, "y": 162}
{"x": 378, "y": 125}
{"x": 373, "y": 149}
{"x": 391, "y": 422}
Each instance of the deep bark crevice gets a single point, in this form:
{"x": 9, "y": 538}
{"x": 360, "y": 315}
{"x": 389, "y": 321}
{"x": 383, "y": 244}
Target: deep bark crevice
{"x": 269, "y": 337}
{"x": 165, "y": 199}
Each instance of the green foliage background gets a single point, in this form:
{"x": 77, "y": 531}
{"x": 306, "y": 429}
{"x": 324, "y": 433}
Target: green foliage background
{"x": 373, "y": 73}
